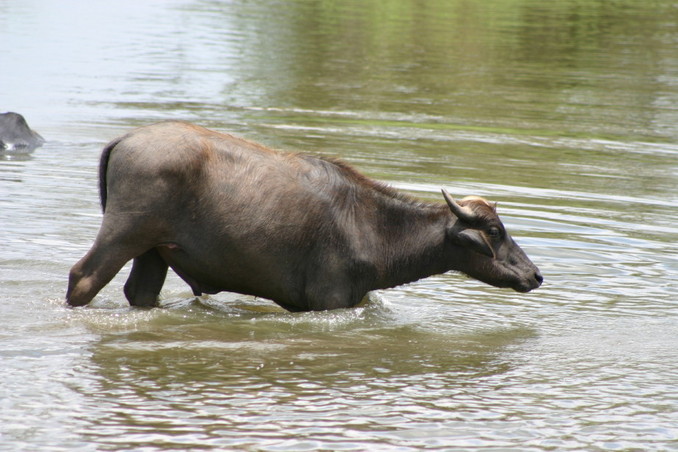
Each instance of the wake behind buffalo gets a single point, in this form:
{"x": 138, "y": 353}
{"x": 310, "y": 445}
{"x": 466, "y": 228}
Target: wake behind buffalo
{"x": 309, "y": 233}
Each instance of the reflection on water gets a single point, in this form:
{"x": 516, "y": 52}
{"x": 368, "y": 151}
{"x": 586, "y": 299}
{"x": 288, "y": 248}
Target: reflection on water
{"x": 268, "y": 378}
{"x": 563, "y": 112}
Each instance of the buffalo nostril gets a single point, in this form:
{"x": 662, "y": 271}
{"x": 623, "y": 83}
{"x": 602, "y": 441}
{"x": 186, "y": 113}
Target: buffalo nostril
{"x": 539, "y": 277}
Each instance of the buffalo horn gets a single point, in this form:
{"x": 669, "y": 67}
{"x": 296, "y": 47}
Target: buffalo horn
{"x": 464, "y": 213}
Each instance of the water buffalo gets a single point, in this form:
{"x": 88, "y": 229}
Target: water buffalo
{"x": 15, "y": 135}
{"x": 309, "y": 233}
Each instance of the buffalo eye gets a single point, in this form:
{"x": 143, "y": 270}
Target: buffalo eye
{"x": 494, "y": 232}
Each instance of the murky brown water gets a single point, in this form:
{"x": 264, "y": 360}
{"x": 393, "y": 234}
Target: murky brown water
{"x": 563, "y": 112}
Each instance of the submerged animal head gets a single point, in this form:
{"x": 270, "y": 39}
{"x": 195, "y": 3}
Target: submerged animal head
{"x": 16, "y": 136}
{"x": 489, "y": 254}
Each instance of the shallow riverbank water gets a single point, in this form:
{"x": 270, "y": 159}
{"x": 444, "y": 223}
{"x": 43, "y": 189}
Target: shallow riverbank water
{"x": 565, "y": 113}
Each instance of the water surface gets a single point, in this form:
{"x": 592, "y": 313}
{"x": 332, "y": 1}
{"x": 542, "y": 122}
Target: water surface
{"x": 563, "y": 112}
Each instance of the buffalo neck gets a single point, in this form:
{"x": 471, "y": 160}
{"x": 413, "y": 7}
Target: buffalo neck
{"x": 412, "y": 242}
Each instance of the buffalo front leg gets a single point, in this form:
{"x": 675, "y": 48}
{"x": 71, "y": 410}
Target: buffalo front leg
{"x": 146, "y": 279}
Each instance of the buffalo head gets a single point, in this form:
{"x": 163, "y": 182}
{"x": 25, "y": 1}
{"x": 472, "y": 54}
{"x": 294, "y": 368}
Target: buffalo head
{"x": 489, "y": 254}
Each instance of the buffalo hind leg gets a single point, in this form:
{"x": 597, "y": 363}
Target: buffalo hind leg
{"x": 146, "y": 279}
{"x": 93, "y": 272}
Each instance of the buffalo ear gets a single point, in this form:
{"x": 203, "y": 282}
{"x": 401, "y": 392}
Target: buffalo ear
{"x": 475, "y": 240}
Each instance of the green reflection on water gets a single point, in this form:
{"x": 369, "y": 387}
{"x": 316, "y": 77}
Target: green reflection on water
{"x": 582, "y": 68}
